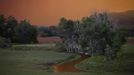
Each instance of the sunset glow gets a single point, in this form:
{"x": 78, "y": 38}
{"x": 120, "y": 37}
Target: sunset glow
{"x": 48, "y": 12}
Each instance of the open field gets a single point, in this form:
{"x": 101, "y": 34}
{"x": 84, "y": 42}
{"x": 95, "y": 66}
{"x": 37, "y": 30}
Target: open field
{"x": 38, "y": 60}
{"x": 28, "y": 62}
{"x": 43, "y": 40}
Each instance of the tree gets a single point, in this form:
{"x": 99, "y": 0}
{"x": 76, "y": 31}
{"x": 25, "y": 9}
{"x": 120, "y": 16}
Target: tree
{"x": 45, "y": 31}
{"x": 95, "y": 34}
{"x": 53, "y": 30}
{"x": 65, "y": 28}
{"x": 2, "y": 25}
{"x": 68, "y": 30}
{"x": 4, "y": 43}
{"x": 99, "y": 36}
{"x": 9, "y": 28}
{"x": 25, "y": 33}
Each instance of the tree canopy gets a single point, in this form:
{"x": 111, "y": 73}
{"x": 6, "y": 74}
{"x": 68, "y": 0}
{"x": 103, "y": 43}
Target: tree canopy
{"x": 16, "y": 32}
{"x": 95, "y": 34}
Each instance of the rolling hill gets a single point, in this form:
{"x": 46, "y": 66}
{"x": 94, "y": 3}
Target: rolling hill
{"x": 124, "y": 19}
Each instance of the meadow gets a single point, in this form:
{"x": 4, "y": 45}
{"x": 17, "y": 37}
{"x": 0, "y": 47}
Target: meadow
{"x": 38, "y": 60}
{"x": 29, "y": 60}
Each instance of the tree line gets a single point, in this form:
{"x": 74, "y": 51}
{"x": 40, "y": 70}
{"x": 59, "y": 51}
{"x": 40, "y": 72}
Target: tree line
{"x": 14, "y": 31}
{"x": 47, "y": 31}
{"x": 93, "y": 35}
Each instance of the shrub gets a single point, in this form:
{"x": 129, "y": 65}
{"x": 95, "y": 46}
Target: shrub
{"x": 4, "y": 43}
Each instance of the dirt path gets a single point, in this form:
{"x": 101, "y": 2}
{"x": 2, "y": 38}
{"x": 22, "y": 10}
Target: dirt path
{"x": 130, "y": 41}
{"x": 69, "y": 66}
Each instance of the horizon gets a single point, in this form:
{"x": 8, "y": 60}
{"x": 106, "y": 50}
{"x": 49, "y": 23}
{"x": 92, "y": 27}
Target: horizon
{"x": 48, "y": 12}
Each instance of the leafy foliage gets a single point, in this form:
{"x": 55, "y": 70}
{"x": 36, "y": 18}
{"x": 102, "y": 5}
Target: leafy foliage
{"x": 25, "y": 33}
{"x": 4, "y": 42}
{"x": 22, "y": 32}
{"x": 69, "y": 30}
{"x": 66, "y": 28}
{"x": 44, "y": 31}
{"x": 9, "y": 28}
{"x": 95, "y": 34}
{"x": 2, "y": 27}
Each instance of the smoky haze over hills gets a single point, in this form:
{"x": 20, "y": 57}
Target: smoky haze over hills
{"x": 124, "y": 19}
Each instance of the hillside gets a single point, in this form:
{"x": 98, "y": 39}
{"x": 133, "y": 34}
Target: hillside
{"x": 124, "y": 19}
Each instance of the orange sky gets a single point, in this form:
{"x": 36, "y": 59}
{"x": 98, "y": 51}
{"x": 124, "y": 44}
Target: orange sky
{"x": 48, "y": 12}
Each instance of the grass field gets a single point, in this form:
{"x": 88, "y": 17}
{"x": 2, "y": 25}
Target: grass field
{"x": 37, "y": 60}
{"x": 124, "y": 64}
{"x": 28, "y": 62}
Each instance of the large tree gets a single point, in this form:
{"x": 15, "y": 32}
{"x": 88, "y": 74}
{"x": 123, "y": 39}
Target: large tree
{"x": 99, "y": 36}
{"x": 9, "y": 27}
{"x": 25, "y": 33}
{"x": 95, "y": 34}
{"x": 69, "y": 32}
{"x": 4, "y": 41}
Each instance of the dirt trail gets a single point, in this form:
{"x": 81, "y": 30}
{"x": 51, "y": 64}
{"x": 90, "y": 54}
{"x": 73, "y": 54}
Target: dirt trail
{"x": 130, "y": 41}
{"x": 69, "y": 66}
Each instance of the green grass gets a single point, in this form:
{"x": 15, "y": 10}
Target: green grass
{"x": 37, "y": 60}
{"x": 71, "y": 58}
{"x": 20, "y": 62}
{"x": 123, "y": 64}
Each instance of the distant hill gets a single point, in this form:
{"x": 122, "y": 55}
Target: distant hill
{"x": 124, "y": 19}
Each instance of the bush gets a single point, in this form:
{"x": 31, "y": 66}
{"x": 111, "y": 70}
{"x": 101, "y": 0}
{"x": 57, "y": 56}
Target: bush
{"x": 4, "y": 43}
